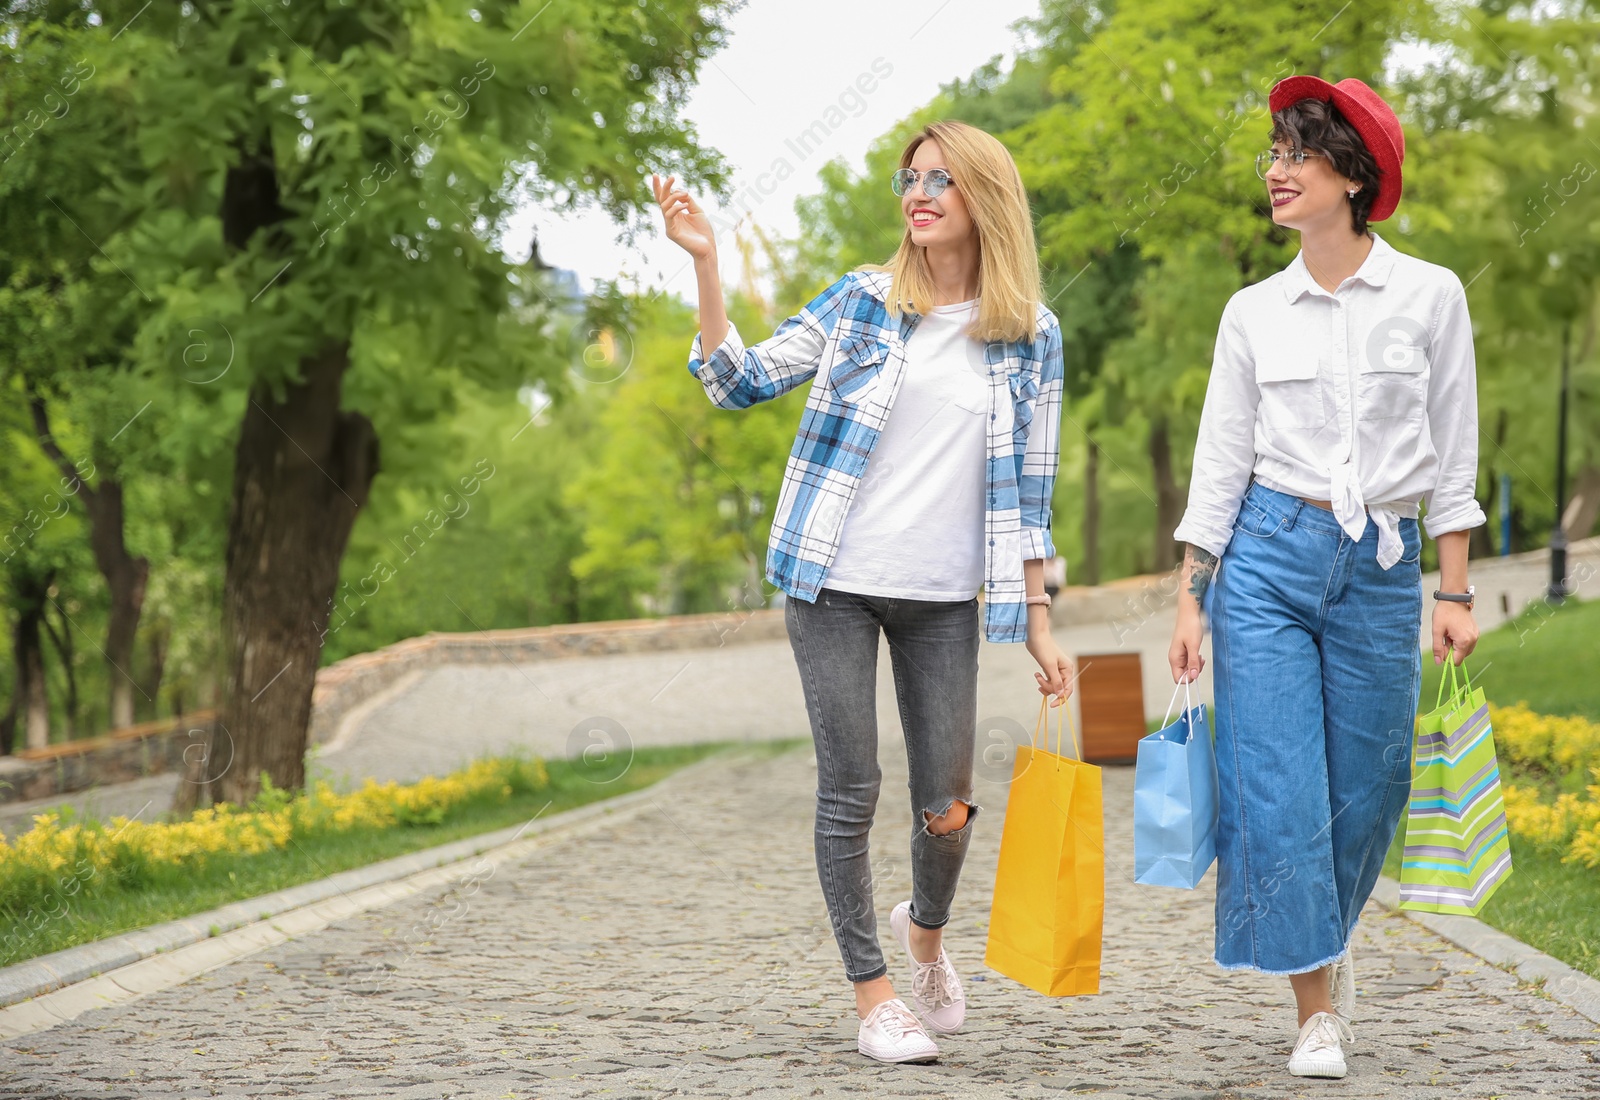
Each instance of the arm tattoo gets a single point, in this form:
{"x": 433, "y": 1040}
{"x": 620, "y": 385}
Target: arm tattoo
{"x": 1202, "y": 564}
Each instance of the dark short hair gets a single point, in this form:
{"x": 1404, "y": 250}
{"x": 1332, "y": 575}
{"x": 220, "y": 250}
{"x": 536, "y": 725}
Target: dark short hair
{"x": 1318, "y": 125}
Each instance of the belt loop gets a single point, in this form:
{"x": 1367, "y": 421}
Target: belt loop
{"x": 1294, "y": 514}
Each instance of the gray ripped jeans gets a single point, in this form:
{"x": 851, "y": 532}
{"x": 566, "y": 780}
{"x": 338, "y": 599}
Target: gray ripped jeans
{"x": 934, "y": 649}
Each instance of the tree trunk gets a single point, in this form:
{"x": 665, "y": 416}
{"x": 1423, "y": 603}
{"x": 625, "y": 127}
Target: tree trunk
{"x": 302, "y": 471}
{"x": 62, "y": 640}
{"x": 1091, "y": 513}
{"x": 1169, "y": 500}
{"x": 27, "y": 648}
{"x": 157, "y": 645}
{"x": 1481, "y": 541}
{"x": 125, "y": 574}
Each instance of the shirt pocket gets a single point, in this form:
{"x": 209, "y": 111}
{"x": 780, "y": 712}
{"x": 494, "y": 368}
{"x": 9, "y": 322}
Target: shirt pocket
{"x": 1024, "y": 387}
{"x": 856, "y": 364}
{"x": 1291, "y": 390}
{"x": 1394, "y": 382}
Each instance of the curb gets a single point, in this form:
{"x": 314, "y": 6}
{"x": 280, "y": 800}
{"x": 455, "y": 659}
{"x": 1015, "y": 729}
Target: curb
{"x": 1571, "y": 987}
{"x": 66, "y": 983}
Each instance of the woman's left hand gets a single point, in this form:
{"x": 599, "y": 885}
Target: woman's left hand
{"x": 1057, "y": 674}
{"x": 1453, "y": 629}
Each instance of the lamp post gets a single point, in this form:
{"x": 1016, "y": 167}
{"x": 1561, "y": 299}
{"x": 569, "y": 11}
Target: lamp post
{"x": 1558, "y": 537}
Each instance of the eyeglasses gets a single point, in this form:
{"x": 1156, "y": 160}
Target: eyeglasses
{"x": 934, "y": 181}
{"x": 1291, "y": 161}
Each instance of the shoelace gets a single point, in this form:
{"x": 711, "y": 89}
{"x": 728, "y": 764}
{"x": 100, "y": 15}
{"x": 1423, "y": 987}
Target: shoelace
{"x": 897, "y": 1020}
{"x": 1337, "y": 979}
{"x": 1326, "y": 1035}
{"x": 931, "y": 983}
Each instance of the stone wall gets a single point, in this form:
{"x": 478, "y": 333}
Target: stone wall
{"x": 145, "y": 749}
{"x": 164, "y": 746}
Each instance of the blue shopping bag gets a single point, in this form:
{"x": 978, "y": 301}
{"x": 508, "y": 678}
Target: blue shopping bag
{"x": 1175, "y": 800}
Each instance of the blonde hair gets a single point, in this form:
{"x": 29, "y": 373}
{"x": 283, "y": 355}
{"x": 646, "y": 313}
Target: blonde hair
{"x": 1008, "y": 261}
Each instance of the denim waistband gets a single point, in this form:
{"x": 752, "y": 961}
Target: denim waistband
{"x": 1297, "y": 512}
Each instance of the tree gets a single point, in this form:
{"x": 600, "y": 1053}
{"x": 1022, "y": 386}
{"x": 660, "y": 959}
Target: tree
{"x": 1503, "y": 186}
{"x": 321, "y": 182}
{"x": 677, "y": 508}
{"x": 1148, "y": 147}
{"x": 57, "y": 155}
{"x": 41, "y": 544}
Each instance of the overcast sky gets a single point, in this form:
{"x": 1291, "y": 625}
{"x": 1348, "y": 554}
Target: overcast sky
{"x": 786, "y": 69}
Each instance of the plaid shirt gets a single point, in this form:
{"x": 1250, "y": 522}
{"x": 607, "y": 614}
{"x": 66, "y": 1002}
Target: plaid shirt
{"x": 847, "y": 340}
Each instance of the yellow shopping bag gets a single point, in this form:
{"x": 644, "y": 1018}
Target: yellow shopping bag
{"x": 1050, "y": 890}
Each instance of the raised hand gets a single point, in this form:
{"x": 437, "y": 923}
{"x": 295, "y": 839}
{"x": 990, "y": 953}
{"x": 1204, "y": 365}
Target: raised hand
{"x": 687, "y": 224}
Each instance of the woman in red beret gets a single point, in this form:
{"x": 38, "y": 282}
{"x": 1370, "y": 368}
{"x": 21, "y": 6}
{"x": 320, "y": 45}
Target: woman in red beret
{"x": 1342, "y": 394}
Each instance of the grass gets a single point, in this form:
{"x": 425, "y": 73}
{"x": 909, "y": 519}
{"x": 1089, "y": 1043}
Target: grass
{"x": 84, "y": 919}
{"x": 1549, "y": 659}
{"x": 1546, "y": 904}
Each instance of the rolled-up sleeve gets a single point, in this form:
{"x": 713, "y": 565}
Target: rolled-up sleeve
{"x": 1225, "y": 450}
{"x": 736, "y": 377}
{"x": 1040, "y": 462}
{"x": 1452, "y": 503}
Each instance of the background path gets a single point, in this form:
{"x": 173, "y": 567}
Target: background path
{"x": 684, "y": 951}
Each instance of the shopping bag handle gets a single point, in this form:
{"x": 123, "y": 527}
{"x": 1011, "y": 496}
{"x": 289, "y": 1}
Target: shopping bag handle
{"x": 1448, "y": 676}
{"x": 1188, "y": 701}
{"x": 1457, "y": 687}
{"x": 1077, "y": 741}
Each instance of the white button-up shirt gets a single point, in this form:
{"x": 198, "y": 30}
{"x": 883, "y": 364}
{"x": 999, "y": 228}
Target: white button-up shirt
{"x": 1365, "y": 397}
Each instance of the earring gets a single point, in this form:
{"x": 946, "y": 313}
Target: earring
{"x": 1352, "y": 192}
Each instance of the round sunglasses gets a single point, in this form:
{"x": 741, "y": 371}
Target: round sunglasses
{"x": 934, "y": 181}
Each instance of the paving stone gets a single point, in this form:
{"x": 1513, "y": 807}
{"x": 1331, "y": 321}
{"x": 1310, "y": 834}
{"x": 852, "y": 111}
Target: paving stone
{"x": 685, "y": 952}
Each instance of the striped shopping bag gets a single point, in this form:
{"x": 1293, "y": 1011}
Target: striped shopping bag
{"x": 1458, "y": 850}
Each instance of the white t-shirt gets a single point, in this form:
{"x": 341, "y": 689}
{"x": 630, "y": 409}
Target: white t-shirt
{"x": 915, "y": 528}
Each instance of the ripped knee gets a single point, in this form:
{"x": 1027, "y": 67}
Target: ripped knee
{"x": 955, "y": 817}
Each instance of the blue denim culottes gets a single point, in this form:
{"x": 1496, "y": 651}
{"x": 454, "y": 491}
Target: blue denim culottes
{"x": 1317, "y": 666}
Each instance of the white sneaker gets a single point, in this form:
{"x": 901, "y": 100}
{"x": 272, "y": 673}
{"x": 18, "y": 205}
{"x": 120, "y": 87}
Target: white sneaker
{"x": 935, "y": 988}
{"x": 1342, "y": 980}
{"x": 891, "y": 1033}
{"x": 1317, "y": 1052}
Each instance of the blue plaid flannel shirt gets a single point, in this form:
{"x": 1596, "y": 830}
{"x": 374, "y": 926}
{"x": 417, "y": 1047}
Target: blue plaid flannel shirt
{"x": 848, "y": 341}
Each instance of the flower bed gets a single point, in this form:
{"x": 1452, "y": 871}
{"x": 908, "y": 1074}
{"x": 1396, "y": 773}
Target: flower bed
{"x": 1558, "y": 808}
{"x": 59, "y": 859}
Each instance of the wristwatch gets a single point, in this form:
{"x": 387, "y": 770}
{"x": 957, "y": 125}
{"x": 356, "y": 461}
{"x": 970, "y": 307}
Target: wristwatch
{"x": 1044, "y": 599}
{"x": 1467, "y": 597}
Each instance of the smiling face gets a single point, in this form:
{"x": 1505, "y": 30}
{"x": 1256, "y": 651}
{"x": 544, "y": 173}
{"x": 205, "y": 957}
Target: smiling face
{"x": 935, "y": 222}
{"x": 1313, "y": 196}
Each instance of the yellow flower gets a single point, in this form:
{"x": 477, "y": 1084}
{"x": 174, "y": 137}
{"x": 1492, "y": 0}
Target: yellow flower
{"x": 49, "y": 849}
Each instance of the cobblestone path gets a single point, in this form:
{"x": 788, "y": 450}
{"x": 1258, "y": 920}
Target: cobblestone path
{"x": 682, "y": 950}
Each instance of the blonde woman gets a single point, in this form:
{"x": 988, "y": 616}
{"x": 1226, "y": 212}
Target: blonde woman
{"x": 920, "y": 476}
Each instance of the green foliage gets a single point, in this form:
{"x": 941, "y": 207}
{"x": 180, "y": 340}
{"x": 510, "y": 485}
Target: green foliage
{"x": 678, "y": 497}
{"x": 405, "y": 135}
{"x": 197, "y": 197}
